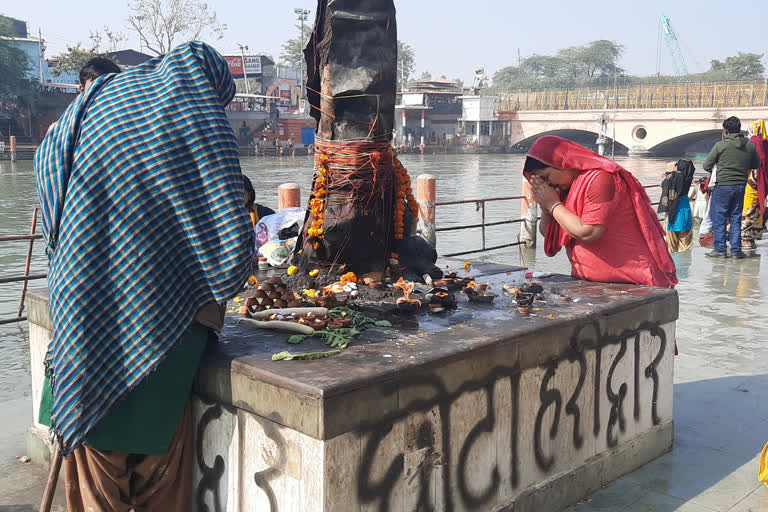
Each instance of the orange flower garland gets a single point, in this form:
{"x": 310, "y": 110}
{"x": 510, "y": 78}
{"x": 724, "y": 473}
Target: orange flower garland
{"x": 403, "y": 194}
{"x": 318, "y": 202}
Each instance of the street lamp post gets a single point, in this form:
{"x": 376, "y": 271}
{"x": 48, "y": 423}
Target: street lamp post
{"x": 243, "y": 49}
{"x": 302, "y": 17}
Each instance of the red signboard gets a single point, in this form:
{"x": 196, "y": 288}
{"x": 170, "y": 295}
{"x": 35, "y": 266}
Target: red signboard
{"x": 252, "y": 62}
{"x": 235, "y": 65}
{"x": 285, "y": 93}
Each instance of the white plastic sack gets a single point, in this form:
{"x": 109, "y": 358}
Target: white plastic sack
{"x": 269, "y": 227}
{"x": 277, "y": 252}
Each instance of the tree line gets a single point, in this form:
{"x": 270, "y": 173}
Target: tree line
{"x": 595, "y": 64}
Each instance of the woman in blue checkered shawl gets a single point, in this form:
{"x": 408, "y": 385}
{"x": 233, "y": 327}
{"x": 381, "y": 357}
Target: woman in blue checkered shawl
{"x": 142, "y": 199}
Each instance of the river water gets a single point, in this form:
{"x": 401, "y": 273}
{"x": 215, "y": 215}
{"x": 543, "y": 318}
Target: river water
{"x": 735, "y": 289}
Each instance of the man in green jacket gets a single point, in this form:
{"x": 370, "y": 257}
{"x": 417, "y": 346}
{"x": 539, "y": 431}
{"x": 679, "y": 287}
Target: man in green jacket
{"x": 735, "y": 157}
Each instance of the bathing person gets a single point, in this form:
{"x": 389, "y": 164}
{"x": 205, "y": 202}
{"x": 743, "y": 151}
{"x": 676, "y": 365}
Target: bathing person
{"x": 699, "y": 198}
{"x": 137, "y": 272}
{"x": 753, "y": 214}
{"x": 675, "y": 203}
{"x": 600, "y": 213}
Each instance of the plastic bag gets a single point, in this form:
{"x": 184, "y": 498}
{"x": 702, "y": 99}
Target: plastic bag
{"x": 762, "y": 473}
{"x": 277, "y": 252}
{"x": 268, "y": 228}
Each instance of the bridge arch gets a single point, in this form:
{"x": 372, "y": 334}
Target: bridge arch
{"x": 584, "y": 137}
{"x": 689, "y": 144}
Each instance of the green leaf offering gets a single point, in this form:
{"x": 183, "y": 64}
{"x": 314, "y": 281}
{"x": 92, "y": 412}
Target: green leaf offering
{"x": 287, "y": 356}
{"x": 297, "y": 338}
{"x": 339, "y": 339}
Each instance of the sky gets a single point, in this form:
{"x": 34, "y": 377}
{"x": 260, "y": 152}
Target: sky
{"x": 451, "y": 37}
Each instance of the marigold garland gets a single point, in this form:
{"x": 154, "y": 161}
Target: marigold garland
{"x": 403, "y": 195}
{"x": 317, "y": 203}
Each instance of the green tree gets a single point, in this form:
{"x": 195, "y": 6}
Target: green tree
{"x": 405, "y": 64}
{"x": 512, "y": 77}
{"x": 596, "y": 59}
{"x": 740, "y": 67}
{"x": 569, "y": 67}
{"x": 76, "y": 56}
{"x": 425, "y": 75}
{"x": 13, "y": 63}
{"x": 293, "y": 49}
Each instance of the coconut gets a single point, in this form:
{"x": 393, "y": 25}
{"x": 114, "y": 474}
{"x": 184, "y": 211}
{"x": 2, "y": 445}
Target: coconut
{"x": 267, "y": 287}
{"x": 274, "y": 281}
{"x": 259, "y": 294}
{"x": 260, "y": 307}
{"x": 280, "y": 304}
{"x": 267, "y": 302}
{"x": 288, "y": 297}
{"x": 294, "y": 304}
{"x": 275, "y": 295}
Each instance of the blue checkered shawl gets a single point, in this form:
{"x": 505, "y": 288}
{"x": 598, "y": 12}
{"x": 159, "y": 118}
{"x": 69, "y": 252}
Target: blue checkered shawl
{"x": 142, "y": 210}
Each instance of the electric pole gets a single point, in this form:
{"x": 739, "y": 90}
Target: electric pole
{"x": 40, "y": 53}
{"x": 302, "y": 17}
{"x": 243, "y": 49}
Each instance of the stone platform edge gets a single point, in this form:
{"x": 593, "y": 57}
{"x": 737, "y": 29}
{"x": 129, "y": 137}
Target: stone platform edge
{"x": 566, "y": 488}
{"x": 327, "y": 415}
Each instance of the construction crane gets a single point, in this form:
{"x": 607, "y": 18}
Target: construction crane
{"x": 673, "y": 45}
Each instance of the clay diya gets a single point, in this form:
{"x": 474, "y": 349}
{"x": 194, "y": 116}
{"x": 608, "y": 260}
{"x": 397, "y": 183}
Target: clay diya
{"x": 477, "y": 292}
{"x": 440, "y": 299}
{"x": 524, "y": 301}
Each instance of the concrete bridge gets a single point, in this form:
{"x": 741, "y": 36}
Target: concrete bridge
{"x": 662, "y": 120}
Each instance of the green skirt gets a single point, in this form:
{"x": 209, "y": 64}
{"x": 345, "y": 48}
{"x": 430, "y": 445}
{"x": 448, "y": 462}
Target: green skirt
{"x": 144, "y": 421}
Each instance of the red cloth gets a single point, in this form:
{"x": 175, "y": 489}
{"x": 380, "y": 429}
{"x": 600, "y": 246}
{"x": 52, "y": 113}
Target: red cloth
{"x": 632, "y": 249}
{"x": 761, "y": 145}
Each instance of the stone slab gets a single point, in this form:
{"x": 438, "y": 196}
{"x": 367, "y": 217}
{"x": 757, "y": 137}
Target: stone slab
{"x": 328, "y": 397}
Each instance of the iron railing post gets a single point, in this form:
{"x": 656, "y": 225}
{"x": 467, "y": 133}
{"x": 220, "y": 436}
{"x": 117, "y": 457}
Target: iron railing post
{"x": 32, "y": 230}
{"x": 482, "y": 214}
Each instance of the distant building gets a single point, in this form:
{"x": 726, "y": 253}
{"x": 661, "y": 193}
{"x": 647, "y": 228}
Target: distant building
{"x": 427, "y": 112}
{"x": 480, "y": 125}
{"x": 32, "y": 47}
{"x": 271, "y": 106}
{"x": 65, "y": 78}
{"x": 129, "y": 58}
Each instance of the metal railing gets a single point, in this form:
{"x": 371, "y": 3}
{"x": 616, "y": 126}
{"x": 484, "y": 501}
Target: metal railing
{"x": 480, "y": 206}
{"x": 26, "y": 277}
{"x": 716, "y": 95}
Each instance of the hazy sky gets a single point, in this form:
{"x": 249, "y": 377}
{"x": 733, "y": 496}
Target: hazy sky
{"x": 452, "y": 37}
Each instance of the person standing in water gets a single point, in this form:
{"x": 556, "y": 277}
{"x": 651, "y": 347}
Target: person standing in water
{"x": 675, "y": 203}
{"x": 734, "y": 156}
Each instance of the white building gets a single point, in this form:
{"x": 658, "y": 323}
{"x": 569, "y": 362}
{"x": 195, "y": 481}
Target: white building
{"x": 480, "y": 124}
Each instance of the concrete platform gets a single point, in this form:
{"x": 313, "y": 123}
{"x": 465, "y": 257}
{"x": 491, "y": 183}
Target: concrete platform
{"x": 477, "y": 410}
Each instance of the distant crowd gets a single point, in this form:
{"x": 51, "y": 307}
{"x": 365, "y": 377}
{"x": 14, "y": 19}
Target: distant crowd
{"x": 729, "y": 204}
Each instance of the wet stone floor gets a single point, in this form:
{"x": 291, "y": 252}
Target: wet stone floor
{"x": 721, "y": 410}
